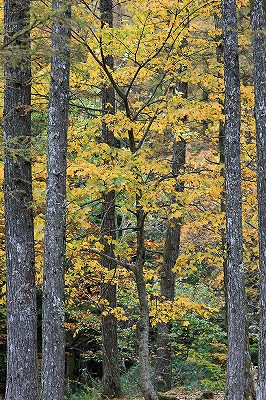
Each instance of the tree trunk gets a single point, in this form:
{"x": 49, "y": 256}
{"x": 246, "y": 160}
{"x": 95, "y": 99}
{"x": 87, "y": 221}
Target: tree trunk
{"x": 111, "y": 375}
{"x": 22, "y": 379}
{"x": 171, "y": 252}
{"x": 143, "y": 323}
{"x": 259, "y": 54}
{"x": 249, "y": 384}
{"x": 53, "y": 350}
{"x": 249, "y": 387}
{"x": 234, "y": 261}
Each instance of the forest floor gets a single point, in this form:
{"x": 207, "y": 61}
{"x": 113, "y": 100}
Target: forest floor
{"x": 177, "y": 394}
{"x": 199, "y": 396}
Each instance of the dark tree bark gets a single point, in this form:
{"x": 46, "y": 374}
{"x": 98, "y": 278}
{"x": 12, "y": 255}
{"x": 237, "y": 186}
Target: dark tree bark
{"x": 143, "y": 323}
{"x": 234, "y": 261}
{"x": 171, "y": 252}
{"x": 53, "y": 350}
{"x": 22, "y": 379}
{"x": 249, "y": 384}
{"x": 111, "y": 375}
{"x": 259, "y": 54}
{"x": 167, "y": 284}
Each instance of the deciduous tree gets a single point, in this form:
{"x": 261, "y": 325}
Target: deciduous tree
{"x": 167, "y": 283}
{"x": 111, "y": 375}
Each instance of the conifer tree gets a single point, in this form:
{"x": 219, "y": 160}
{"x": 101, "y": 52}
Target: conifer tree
{"x": 249, "y": 387}
{"x": 22, "y": 379}
{"x": 233, "y": 196}
{"x": 259, "y": 55}
{"x": 53, "y": 348}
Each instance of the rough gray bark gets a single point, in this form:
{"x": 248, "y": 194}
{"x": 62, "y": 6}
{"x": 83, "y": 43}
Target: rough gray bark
{"x": 249, "y": 387}
{"x": 259, "y": 54}
{"x": 111, "y": 375}
{"x": 22, "y": 380}
{"x": 53, "y": 350}
{"x": 234, "y": 261}
{"x": 167, "y": 283}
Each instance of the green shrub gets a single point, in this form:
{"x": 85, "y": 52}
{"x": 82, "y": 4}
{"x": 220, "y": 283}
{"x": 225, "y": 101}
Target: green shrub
{"x": 130, "y": 382}
{"x": 197, "y": 372}
{"x": 77, "y": 391}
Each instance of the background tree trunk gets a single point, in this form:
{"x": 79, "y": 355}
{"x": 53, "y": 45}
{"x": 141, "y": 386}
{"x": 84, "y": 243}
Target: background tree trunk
{"x": 171, "y": 252}
{"x": 234, "y": 261}
{"x": 111, "y": 375}
{"x": 259, "y": 54}
{"x": 249, "y": 384}
{"x": 53, "y": 350}
{"x": 22, "y": 380}
{"x": 143, "y": 323}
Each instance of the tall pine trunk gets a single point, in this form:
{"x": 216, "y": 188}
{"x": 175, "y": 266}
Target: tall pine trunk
{"x": 111, "y": 375}
{"x": 53, "y": 350}
{"x": 233, "y": 194}
{"x": 249, "y": 386}
{"x": 259, "y": 54}
{"x": 22, "y": 380}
